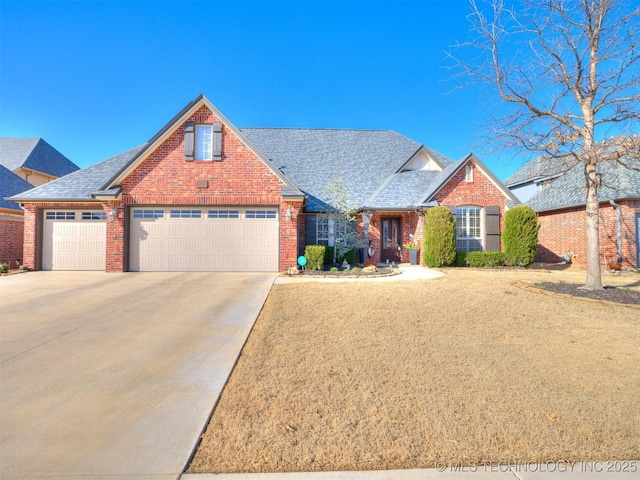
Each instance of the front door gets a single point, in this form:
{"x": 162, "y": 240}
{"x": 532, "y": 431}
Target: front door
{"x": 391, "y": 239}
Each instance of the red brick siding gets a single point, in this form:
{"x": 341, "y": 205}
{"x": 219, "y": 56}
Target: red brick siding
{"x": 11, "y": 238}
{"x": 564, "y": 231}
{"x": 457, "y": 192}
{"x": 241, "y": 178}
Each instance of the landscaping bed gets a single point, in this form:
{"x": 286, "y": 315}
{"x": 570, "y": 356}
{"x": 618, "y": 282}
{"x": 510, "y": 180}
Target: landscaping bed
{"x": 397, "y": 375}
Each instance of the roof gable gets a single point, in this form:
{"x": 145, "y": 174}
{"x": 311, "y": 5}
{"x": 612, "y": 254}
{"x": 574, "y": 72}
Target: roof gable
{"x": 34, "y": 154}
{"x": 448, "y": 173}
{"x": 177, "y": 122}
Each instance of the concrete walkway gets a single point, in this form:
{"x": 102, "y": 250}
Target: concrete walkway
{"x": 107, "y": 375}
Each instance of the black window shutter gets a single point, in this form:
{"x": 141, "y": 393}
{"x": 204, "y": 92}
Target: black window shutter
{"x": 310, "y": 237}
{"x": 493, "y": 228}
{"x": 217, "y": 141}
{"x": 189, "y": 143}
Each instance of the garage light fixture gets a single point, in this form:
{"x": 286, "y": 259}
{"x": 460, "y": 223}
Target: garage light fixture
{"x": 113, "y": 214}
{"x": 288, "y": 215}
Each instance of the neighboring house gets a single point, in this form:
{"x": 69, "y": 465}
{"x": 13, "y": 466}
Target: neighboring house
{"x": 560, "y": 203}
{"x": 531, "y": 177}
{"x": 24, "y": 163}
{"x": 204, "y": 195}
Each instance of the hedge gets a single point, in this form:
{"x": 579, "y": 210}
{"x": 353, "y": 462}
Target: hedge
{"x": 315, "y": 255}
{"x": 480, "y": 259}
{"x": 439, "y": 246}
{"x": 520, "y": 235}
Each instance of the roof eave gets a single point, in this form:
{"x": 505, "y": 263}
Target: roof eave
{"x": 52, "y": 200}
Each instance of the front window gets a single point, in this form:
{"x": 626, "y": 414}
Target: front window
{"x": 468, "y": 229}
{"x": 322, "y": 230}
{"x": 204, "y": 142}
{"x": 327, "y": 233}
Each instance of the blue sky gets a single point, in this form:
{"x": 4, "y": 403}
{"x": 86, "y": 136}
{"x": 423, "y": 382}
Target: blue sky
{"x": 97, "y": 78}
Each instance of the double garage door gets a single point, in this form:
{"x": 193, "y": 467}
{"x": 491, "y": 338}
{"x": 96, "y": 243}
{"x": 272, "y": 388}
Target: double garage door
{"x": 168, "y": 239}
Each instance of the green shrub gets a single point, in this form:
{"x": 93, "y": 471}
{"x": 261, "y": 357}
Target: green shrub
{"x": 334, "y": 269}
{"x": 439, "y": 246}
{"x": 315, "y": 256}
{"x": 485, "y": 259}
{"x": 4, "y": 268}
{"x": 461, "y": 259}
{"x": 349, "y": 256}
{"x": 520, "y": 235}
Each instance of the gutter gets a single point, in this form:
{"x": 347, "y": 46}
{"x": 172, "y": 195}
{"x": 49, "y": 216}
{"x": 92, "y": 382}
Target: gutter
{"x": 618, "y": 228}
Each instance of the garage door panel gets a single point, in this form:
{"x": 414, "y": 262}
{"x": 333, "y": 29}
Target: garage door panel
{"x": 204, "y": 244}
{"x": 74, "y": 244}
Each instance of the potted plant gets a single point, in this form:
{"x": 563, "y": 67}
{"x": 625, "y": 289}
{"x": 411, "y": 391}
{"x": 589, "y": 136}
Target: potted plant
{"x": 413, "y": 252}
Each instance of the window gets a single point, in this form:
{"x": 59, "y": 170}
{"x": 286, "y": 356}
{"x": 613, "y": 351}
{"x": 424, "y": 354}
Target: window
{"x": 468, "y": 173}
{"x": 223, "y": 214}
{"x": 468, "y": 229}
{"x": 204, "y": 142}
{"x": 94, "y": 215}
{"x": 261, "y": 214}
{"x": 148, "y": 213}
{"x": 186, "y": 214}
{"x": 61, "y": 215}
{"x": 322, "y": 230}
{"x": 327, "y": 233}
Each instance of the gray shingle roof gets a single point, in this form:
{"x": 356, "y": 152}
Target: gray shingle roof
{"x": 311, "y": 158}
{"x": 568, "y": 190}
{"x": 539, "y": 168}
{"x": 79, "y": 185}
{"x": 11, "y": 184}
{"x": 34, "y": 154}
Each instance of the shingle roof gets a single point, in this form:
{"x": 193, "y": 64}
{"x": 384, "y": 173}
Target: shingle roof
{"x": 34, "y": 154}
{"x": 537, "y": 169}
{"x": 311, "y": 158}
{"x": 11, "y": 184}
{"x": 568, "y": 190}
{"x": 80, "y": 185}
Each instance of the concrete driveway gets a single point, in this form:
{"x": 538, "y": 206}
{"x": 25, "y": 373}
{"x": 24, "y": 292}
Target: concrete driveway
{"x": 108, "y": 374}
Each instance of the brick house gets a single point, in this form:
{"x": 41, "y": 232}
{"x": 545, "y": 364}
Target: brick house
{"x": 24, "y": 163}
{"x": 558, "y": 195}
{"x": 204, "y": 195}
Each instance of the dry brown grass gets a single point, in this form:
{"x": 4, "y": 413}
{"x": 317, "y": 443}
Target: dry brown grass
{"x": 364, "y": 375}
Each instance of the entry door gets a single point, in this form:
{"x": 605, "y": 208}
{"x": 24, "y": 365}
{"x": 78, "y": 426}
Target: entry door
{"x": 391, "y": 239}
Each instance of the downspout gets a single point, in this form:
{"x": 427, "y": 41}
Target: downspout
{"x": 619, "y": 228}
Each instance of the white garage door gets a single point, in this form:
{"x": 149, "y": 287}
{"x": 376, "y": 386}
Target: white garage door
{"x": 204, "y": 239}
{"x": 74, "y": 240}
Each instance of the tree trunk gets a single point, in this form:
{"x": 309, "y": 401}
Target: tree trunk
{"x": 594, "y": 278}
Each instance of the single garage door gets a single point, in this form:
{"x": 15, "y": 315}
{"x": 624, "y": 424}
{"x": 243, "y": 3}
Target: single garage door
{"x": 74, "y": 240}
{"x": 204, "y": 239}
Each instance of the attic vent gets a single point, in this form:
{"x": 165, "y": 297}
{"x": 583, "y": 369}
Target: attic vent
{"x": 202, "y": 184}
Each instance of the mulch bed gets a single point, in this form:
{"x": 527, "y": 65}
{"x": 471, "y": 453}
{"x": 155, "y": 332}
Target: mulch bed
{"x": 380, "y": 272}
{"x": 610, "y": 293}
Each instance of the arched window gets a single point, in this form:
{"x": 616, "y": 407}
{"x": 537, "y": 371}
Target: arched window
{"x": 469, "y": 229}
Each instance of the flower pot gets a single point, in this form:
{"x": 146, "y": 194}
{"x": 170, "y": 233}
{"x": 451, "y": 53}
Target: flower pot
{"x": 413, "y": 257}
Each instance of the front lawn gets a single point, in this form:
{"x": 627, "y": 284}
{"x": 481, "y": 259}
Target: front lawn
{"x": 367, "y": 376}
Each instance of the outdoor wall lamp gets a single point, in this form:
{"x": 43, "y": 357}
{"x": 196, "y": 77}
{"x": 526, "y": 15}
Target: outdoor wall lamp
{"x": 288, "y": 215}
{"x": 113, "y": 214}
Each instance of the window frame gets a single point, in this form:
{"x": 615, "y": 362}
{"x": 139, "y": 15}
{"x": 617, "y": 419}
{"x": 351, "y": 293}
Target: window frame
{"x": 200, "y": 151}
{"x": 469, "y": 221}
{"x": 468, "y": 174}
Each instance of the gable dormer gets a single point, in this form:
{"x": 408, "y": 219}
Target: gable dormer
{"x": 421, "y": 161}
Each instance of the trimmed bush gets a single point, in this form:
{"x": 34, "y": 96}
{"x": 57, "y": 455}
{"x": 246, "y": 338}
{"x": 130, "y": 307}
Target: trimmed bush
{"x": 484, "y": 259}
{"x": 315, "y": 256}
{"x": 520, "y": 235}
{"x": 4, "y": 268}
{"x": 461, "y": 259}
{"x": 350, "y": 257}
{"x": 439, "y": 246}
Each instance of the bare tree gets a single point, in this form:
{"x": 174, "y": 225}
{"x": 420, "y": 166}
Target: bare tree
{"x": 569, "y": 73}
